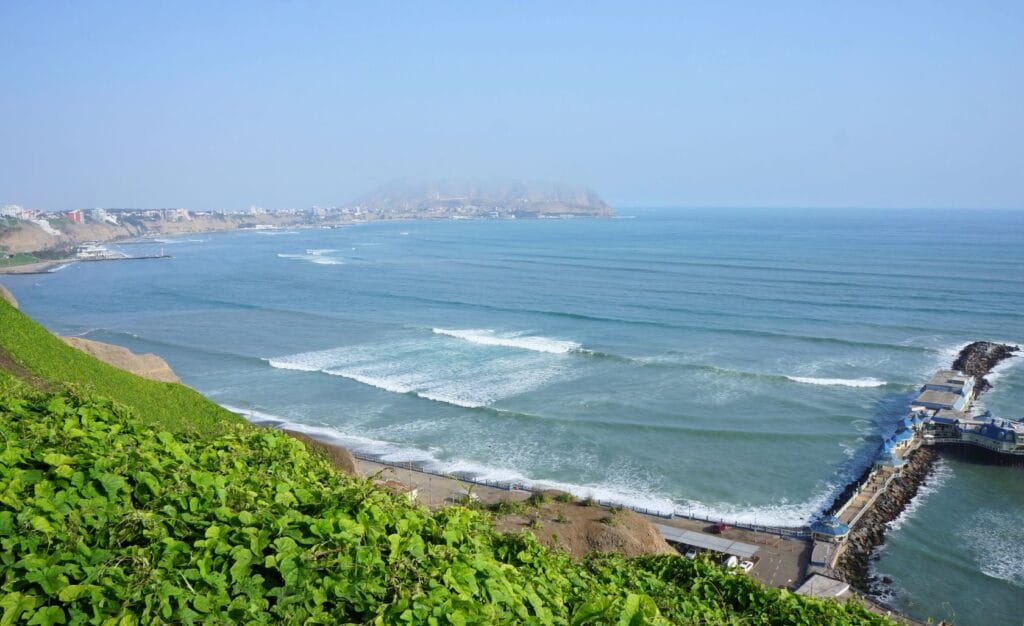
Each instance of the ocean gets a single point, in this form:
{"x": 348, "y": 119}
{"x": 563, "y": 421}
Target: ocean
{"x": 737, "y": 364}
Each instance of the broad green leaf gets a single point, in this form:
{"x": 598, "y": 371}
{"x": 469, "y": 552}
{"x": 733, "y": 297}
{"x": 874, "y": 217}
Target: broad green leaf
{"x": 47, "y": 616}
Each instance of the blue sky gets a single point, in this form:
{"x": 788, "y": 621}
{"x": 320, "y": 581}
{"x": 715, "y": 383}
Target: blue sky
{"x": 288, "y": 104}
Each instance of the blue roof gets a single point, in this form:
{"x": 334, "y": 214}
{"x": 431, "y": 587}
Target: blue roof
{"x": 830, "y": 525}
{"x": 887, "y": 445}
{"x": 917, "y": 419}
{"x": 902, "y": 436}
{"x": 952, "y": 421}
{"x": 906, "y": 423}
{"x": 993, "y": 431}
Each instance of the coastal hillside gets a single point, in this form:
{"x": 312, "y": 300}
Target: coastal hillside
{"x": 41, "y": 359}
{"x": 29, "y": 236}
{"x": 466, "y": 199}
{"x": 152, "y": 507}
{"x": 105, "y": 519}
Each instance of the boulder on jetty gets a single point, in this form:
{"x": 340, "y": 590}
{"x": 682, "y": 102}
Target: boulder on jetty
{"x": 979, "y": 358}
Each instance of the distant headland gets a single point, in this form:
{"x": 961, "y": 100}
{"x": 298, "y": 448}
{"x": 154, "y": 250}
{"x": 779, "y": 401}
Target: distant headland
{"x": 30, "y": 235}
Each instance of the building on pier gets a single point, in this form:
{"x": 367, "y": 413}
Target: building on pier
{"x": 947, "y": 390}
{"x": 998, "y": 435}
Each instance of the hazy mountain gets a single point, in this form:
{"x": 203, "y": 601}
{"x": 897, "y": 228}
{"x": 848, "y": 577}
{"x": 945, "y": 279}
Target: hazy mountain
{"x": 509, "y": 198}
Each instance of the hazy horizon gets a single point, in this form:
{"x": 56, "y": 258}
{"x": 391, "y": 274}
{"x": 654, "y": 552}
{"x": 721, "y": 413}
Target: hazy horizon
{"x": 796, "y": 105}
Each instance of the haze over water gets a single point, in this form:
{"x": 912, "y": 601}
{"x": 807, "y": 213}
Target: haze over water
{"x": 737, "y": 364}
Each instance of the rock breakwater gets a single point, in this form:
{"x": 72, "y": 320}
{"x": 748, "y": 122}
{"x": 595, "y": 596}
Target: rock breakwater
{"x": 869, "y": 532}
{"x": 979, "y": 358}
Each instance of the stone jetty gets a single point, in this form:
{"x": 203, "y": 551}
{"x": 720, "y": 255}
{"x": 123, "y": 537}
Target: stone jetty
{"x": 879, "y": 496}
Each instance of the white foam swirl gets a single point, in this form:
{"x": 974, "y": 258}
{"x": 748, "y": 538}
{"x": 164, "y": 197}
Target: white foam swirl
{"x": 840, "y": 382}
{"x": 486, "y": 337}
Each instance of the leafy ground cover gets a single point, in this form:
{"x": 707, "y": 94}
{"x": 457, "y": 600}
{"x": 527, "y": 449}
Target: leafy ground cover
{"x": 168, "y": 406}
{"x": 106, "y": 520}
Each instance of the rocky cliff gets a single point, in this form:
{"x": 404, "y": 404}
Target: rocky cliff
{"x": 146, "y": 365}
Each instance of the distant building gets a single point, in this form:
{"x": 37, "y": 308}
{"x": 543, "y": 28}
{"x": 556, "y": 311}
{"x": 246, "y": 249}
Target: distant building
{"x": 13, "y": 210}
{"x": 100, "y": 215}
{"x": 177, "y": 215}
{"x": 257, "y": 210}
{"x": 75, "y": 216}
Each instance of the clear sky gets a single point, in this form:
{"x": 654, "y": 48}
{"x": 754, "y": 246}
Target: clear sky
{"x": 289, "y": 104}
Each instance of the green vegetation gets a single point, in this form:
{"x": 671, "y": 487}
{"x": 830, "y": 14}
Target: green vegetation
{"x": 168, "y": 406}
{"x": 22, "y": 258}
{"x": 104, "y": 520}
{"x": 507, "y": 507}
{"x": 538, "y": 498}
{"x": 149, "y": 511}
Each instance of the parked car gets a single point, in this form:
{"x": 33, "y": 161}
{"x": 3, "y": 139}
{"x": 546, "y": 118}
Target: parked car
{"x": 746, "y": 566}
{"x": 731, "y": 561}
{"x": 691, "y": 553}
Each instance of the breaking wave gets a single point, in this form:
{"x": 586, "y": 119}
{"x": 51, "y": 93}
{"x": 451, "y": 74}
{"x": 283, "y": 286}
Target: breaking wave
{"x": 636, "y": 496}
{"x": 485, "y": 337}
{"x": 841, "y": 382}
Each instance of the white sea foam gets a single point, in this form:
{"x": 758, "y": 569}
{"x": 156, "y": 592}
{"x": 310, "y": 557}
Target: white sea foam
{"x": 373, "y": 381}
{"x": 999, "y": 370}
{"x": 399, "y": 453}
{"x": 631, "y": 495}
{"x": 783, "y": 513}
{"x": 312, "y": 256}
{"x": 486, "y": 337}
{"x": 456, "y": 375}
{"x": 997, "y": 541}
{"x": 320, "y": 251}
{"x": 841, "y": 382}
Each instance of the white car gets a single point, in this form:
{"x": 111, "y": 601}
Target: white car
{"x": 746, "y": 566}
{"x": 691, "y": 553}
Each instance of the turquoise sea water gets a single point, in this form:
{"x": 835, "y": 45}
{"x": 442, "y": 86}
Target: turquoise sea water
{"x": 736, "y": 364}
